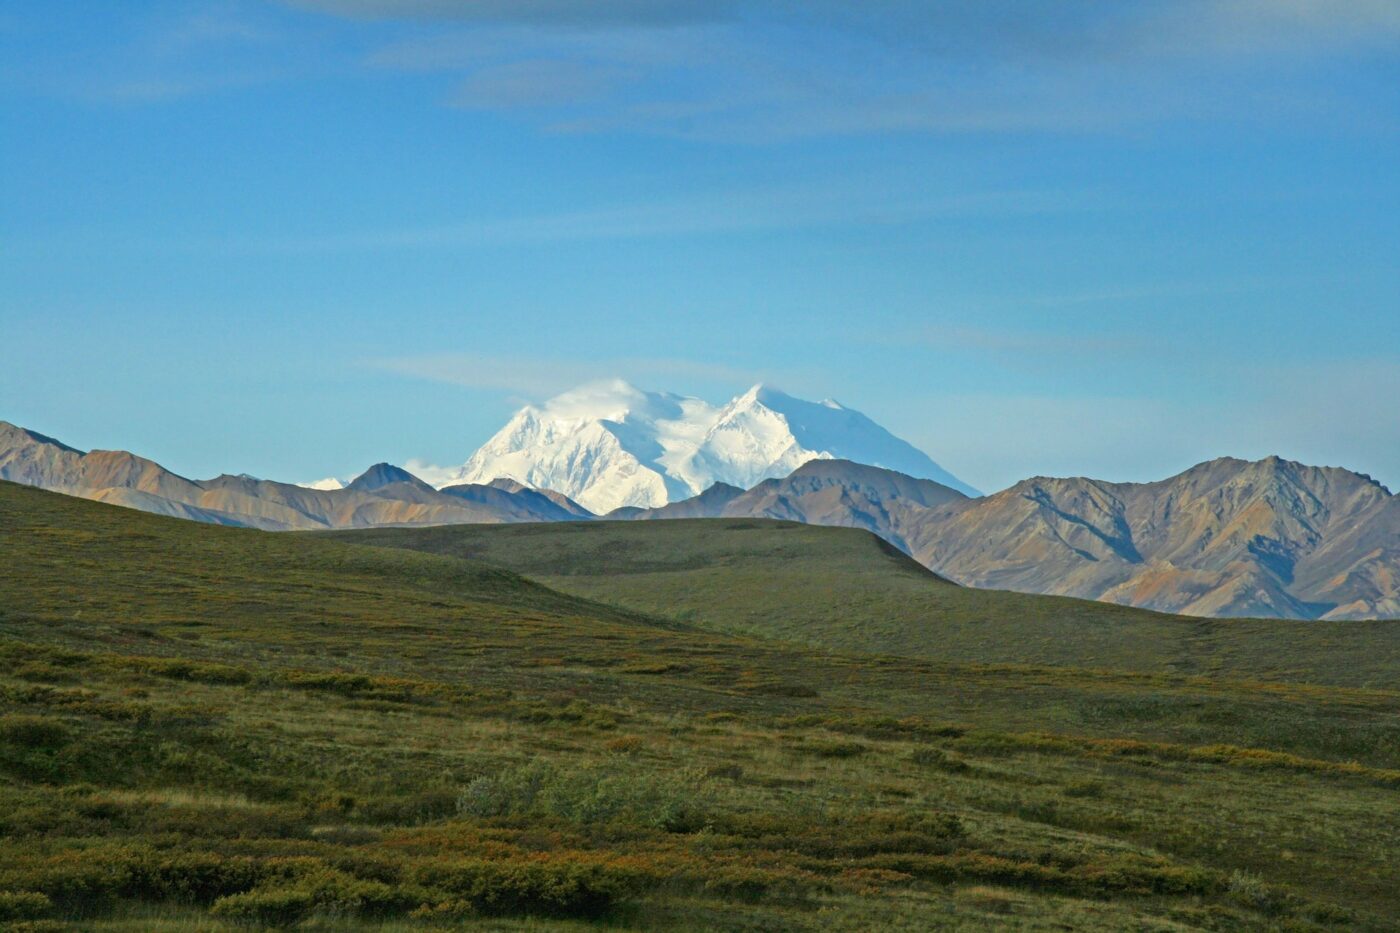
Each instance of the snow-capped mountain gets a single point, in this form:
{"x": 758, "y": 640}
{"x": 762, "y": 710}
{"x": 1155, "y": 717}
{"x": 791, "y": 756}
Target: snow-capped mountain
{"x": 610, "y": 444}
{"x": 329, "y": 484}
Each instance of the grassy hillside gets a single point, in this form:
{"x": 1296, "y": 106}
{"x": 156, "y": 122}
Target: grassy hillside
{"x": 207, "y": 728}
{"x": 845, "y": 589}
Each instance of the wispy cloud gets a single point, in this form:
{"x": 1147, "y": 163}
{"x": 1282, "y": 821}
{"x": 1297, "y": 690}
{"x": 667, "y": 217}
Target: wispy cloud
{"x": 551, "y": 12}
{"x": 535, "y": 379}
{"x": 1015, "y": 28}
{"x": 1042, "y": 343}
{"x": 774, "y": 71}
{"x": 151, "y": 56}
{"x": 815, "y": 204}
{"x": 173, "y": 87}
{"x": 538, "y": 83}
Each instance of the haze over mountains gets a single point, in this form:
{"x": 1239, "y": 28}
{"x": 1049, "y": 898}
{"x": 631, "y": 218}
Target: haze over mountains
{"x": 1269, "y": 538}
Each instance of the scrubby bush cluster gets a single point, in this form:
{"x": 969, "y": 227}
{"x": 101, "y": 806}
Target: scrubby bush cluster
{"x": 678, "y": 803}
{"x": 281, "y": 735}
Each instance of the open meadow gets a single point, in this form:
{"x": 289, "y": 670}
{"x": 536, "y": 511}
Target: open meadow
{"x": 672, "y": 725}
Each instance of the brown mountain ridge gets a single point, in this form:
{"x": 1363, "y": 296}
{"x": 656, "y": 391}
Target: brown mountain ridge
{"x": 382, "y": 495}
{"x": 1269, "y": 538}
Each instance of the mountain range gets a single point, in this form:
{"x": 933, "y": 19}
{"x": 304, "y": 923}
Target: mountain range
{"x": 382, "y": 495}
{"x": 1267, "y": 538}
{"x": 609, "y": 444}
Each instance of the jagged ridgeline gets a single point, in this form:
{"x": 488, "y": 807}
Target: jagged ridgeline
{"x": 1227, "y": 538}
{"x": 208, "y": 728}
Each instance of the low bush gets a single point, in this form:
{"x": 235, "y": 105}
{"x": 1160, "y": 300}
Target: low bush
{"x": 276, "y": 907}
{"x": 322, "y": 890}
{"x": 32, "y": 732}
{"x": 191, "y": 877}
{"x": 834, "y": 748}
{"x": 197, "y": 671}
{"x": 1251, "y": 891}
{"x": 552, "y": 888}
{"x": 23, "y": 905}
{"x": 931, "y": 757}
{"x": 677, "y": 803}
{"x": 779, "y": 688}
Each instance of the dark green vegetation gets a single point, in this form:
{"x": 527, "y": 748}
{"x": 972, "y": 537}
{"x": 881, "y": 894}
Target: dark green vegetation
{"x": 209, "y": 728}
{"x": 846, "y": 589}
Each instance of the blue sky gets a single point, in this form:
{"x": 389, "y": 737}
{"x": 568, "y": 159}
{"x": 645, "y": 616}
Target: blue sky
{"x": 1031, "y": 237}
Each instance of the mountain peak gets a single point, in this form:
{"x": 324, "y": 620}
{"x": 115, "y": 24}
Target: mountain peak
{"x": 8, "y": 429}
{"x": 609, "y": 444}
{"x": 766, "y": 394}
{"x": 384, "y": 474}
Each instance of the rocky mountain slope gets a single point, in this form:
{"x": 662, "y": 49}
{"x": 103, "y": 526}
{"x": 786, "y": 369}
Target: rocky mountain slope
{"x": 1269, "y": 538}
{"x": 823, "y": 492}
{"x": 382, "y": 495}
{"x": 609, "y": 445}
{"x": 1225, "y": 538}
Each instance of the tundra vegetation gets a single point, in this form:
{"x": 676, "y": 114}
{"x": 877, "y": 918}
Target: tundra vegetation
{"x": 208, "y": 728}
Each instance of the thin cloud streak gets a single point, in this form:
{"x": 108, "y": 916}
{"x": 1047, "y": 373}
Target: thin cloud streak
{"x": 535, "y": 379}
{"x": 570, "y": 13}
{"x": 771, "y": 72}
{"x": 811, "y": 206}
{"x": 149, "y": 58}
{"x": 1040, "y": 343}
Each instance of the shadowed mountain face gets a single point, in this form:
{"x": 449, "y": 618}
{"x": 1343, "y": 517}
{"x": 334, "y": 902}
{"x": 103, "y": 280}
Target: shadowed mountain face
{"x": 382, "y": 495}
{"x": 822, "y": 492}
{"x": 383, "y": 475}
{"x": 1225, "y": 538}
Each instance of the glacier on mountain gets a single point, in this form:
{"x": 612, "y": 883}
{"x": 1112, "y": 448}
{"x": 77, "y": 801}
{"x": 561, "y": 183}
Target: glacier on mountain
{"x": 609, "y": 444}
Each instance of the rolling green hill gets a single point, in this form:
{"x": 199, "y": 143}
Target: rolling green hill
{"x": 846, "y": 589}
{"x": 210, "y": 728}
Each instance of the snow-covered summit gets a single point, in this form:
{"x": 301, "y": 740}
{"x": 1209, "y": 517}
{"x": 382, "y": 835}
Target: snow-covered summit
{"x": 609, "y": 444}
{"x": 329, "y": 484}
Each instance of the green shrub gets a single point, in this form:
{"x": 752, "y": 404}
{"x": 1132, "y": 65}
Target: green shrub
{"x": 1251, "y": 891}
{"x": 779, "y": 688}
{"x": 740, "y": 883}
{"x": 276, "y": 907}
{"x": 674, "y": 803}
{"x": 192, "y": 877}
{"x": 23, "y": 905}
{"x": 835, "y": 749}
{"x": 32, "y": 732}
{"x": 1085, "y": 789}
{"x": 729, "y": 772}
{"x": 932, "y": 757}
{"x": 197, "y": 671}
{"x": 73, "y": 876}
{"x": 562, "y": 889}
{"x": 320, "y": 890}
{"x": 344, "y": 684}
{"x": 423, "y": 806}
